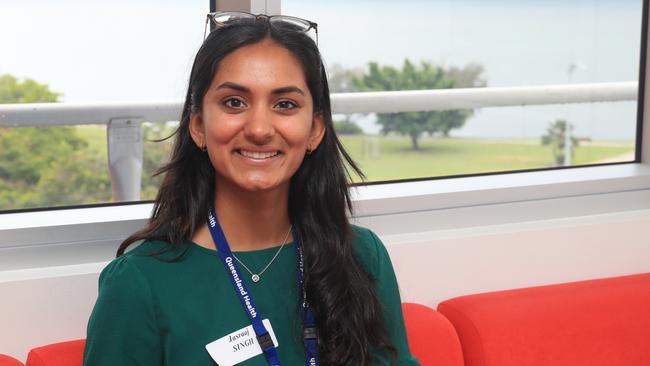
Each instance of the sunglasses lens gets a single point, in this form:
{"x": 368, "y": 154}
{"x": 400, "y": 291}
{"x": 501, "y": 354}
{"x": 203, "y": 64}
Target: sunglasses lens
{"x": 225, "y": 17}
{"x": 296, "y": 23}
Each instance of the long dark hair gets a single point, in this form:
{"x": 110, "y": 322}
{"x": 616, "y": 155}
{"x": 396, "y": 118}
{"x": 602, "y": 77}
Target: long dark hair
{"x": 343, "y": 296}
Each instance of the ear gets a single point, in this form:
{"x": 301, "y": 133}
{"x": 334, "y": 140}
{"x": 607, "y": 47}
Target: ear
{"x": 317, "y": 131}
{"x": 197, "y": 129}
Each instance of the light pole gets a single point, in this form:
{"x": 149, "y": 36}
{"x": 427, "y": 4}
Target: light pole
{"x": 567, "y": 129}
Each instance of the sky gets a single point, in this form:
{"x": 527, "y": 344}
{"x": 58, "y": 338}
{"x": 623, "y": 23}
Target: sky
{"x": 142, "y": 50}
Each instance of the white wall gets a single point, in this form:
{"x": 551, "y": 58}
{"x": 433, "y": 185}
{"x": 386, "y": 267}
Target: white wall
{"x": 44, "y": 310}
{"x": 434, "y": 266}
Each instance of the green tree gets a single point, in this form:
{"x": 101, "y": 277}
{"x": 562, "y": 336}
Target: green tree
{"x": 49, "y": 166}
{"x": 26, "y": 91}
{"x": 347, "y": 127}
{"x": 423, "y": 77}
{"x": 556, "y": 138}
{"x": 46, "y": 166}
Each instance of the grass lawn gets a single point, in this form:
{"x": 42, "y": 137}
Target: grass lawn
{"x": 386, "y": 158}
{"x": 391, "y": 157}
{"x": 96, "y": 137}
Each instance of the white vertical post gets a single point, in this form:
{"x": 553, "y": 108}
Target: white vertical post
{"x": 125, "y": 157}
{"x": 567, "y": 131}
{"x": 233, "y": 5}
{"x": 270, "y": 7}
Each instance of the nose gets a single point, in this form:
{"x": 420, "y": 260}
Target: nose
{"x": 259, "y": 127}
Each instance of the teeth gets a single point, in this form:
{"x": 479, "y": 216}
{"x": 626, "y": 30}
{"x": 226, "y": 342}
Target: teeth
{"x": 258, "y": 155}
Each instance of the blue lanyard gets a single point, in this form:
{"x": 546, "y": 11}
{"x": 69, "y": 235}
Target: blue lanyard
{"x": 310, "y": 337}
{"x": 263, "y": 337}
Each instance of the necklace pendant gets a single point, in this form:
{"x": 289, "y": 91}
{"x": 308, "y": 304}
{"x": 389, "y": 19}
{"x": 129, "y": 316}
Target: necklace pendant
{"x": 255, "y": 278}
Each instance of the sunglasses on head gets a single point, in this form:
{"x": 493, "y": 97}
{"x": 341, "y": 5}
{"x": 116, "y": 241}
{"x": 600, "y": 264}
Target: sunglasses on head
{"x": 223, "y": 18}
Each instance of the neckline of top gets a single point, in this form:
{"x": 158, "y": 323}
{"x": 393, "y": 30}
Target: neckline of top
{"x": 209, "y": 251}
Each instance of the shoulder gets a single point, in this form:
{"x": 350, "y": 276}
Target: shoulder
{"x": 364, "y": 238}
{"x": 370, "y": 250}
{"x": 124, "y": 315}
{"x": 122, "y": 284}
{"x": 152, "y": 248}
{"x": 138, "y": 263}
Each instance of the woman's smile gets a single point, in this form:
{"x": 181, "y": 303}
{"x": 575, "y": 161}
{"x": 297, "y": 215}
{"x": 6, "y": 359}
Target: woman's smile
{"x": 257, "y": 158}
{"x": 258, "y": 155}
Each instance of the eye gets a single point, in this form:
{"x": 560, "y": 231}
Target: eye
{"x": 234, "y": 103}
{"x": 286, "y": 104}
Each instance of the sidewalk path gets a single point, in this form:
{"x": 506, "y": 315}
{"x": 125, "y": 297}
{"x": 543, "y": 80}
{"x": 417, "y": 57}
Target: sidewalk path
{"x": 615, "y": 159}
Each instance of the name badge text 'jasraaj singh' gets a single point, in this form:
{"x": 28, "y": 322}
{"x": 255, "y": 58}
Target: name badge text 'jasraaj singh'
{"x": 238, "y": 346}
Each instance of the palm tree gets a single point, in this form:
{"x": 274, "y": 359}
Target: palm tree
{"x": 555, "y": 136}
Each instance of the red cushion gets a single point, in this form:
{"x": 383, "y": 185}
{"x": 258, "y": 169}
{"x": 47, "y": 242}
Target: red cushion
{"x": 432, "y": 338}
{"x": 58, "y": 354}
{"x": 602, "y": 322}
{"x": 9, "y": 361}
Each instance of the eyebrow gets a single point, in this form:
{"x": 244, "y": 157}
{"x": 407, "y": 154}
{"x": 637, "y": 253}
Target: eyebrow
{"x": 241, "y": 88}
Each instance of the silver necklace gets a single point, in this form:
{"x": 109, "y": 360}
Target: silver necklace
{"x": 257, "y": 276}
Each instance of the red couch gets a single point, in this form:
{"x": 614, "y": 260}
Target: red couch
{"x": 58, "y": 354}
{"x": 9, "y": 361}
{"x": 588, "y": 323}
{"x": 432, "y": 338}
{"x": 594, "y": 323}
{"x": 425, "y": 327}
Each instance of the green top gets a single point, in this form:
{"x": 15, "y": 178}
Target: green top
{"x": 153, "y": 312}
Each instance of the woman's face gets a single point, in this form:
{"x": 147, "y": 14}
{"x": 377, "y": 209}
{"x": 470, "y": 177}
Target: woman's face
{"x": 257, "y": 119}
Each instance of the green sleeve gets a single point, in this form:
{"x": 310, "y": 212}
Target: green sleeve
{"x": 388, "y": 293}
{"x": 122, "y": 329}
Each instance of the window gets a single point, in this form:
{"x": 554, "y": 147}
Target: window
{"x": 139, "y": 52}
{"x": 414, "y": 45}
{"x": 92, "y": 57}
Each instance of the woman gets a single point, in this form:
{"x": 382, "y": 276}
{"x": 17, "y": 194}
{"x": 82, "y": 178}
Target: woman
{"x": 256, "y": 170}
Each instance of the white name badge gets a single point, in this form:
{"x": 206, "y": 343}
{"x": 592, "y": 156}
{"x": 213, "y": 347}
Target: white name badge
{"x": 238, "y": 346}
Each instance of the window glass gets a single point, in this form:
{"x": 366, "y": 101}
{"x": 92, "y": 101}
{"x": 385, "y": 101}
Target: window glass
{"x": 413, "y": 45}
{"x": 87, "y": 52}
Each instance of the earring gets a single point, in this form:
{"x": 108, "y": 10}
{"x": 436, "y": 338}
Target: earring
{"x": 204, "y": 148}
{"x": 309, "y": 150}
